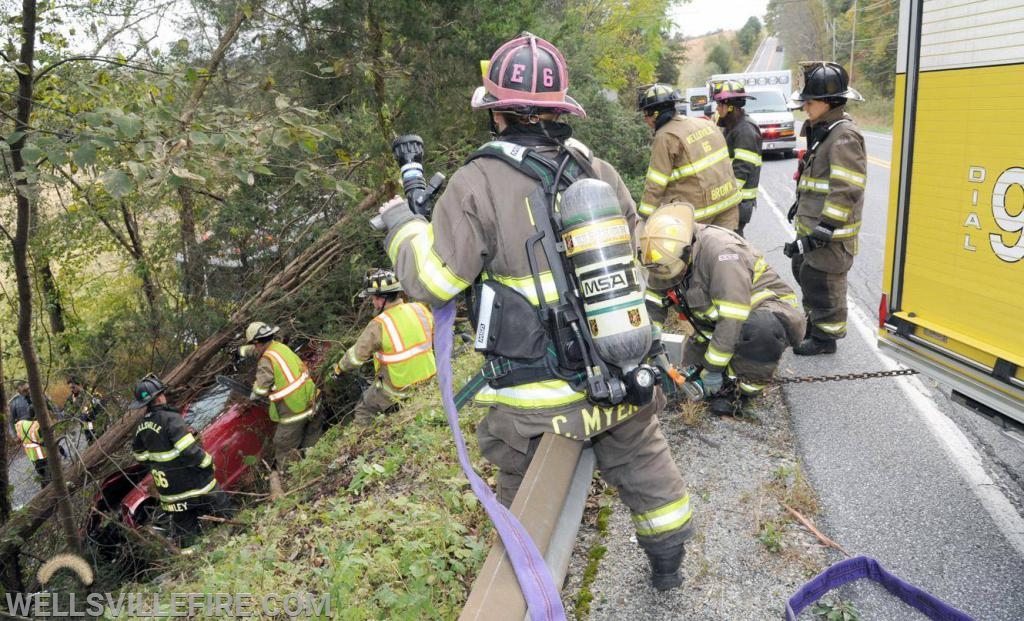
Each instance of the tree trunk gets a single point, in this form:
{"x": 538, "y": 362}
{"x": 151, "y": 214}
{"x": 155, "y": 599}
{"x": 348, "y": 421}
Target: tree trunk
{"x": 192, "y": 265}
{"x": 54, "y": 307}
{"x": 96, "y": 461}
{"x": 22, "y": 236}
{"x": 138, "y": 253}
{"x": 5, "y": 493}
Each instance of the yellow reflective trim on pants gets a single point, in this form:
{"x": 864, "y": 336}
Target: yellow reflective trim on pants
{"x": 646, "y": 209}
{"x": 747, "y": 156}
{"x": 657, "y": 178}
{"x": 856, "y": 178}
{"x": 717, "y": 358}
{"x": 296, "y": 417}
{"x": 751, "y": 389}
{"x": 700, "y": 165}
{"x": 666, "y": 518}
{"x": 836, "y": 212}
{"x": 192, "y": 493}
{"x": 832, "y": 328}
{"x": 732, "y": 310}
{"x": 720, "y": 206}
{"x": 534, "y": 395}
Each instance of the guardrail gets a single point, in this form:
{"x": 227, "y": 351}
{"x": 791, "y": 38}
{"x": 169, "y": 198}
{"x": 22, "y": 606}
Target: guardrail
{"x": 550, "y": 505}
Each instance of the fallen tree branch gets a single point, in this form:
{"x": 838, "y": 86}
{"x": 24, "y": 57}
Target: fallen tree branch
{"x": 817, "y": 533}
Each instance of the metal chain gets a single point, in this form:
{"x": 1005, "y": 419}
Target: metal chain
{"x": 839, "y": 378}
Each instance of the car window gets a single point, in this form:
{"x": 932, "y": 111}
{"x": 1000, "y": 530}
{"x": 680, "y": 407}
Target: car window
{"x": 767, "y": 101}
{"x": 201, "y": 412}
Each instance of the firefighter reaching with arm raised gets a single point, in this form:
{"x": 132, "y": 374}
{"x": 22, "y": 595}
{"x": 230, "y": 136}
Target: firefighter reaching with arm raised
{"x": 482, "y": 226}
{"x": 399, "y": 340}
{"x": 744, "y": 315}
{"x": 282, "y": 377}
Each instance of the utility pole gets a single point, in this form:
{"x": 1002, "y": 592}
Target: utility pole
{"x": 853, "y": 38}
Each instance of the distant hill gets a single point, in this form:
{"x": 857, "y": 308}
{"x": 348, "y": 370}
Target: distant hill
{"x": 692, "y": 71}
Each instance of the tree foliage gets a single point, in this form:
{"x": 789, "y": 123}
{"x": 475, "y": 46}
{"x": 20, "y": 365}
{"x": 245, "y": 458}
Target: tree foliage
{"x": 749, "y": 35}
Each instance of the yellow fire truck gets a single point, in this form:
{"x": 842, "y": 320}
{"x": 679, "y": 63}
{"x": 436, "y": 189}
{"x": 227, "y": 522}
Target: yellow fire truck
{"x": 953, "y": 288}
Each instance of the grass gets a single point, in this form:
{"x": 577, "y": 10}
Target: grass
{"x": 584, "y": 596}
{"x": 381, "y": 518}
{"x": 787, "y": 486}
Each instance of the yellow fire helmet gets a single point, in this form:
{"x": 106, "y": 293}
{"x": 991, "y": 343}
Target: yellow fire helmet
{"x": 664, "y": 244}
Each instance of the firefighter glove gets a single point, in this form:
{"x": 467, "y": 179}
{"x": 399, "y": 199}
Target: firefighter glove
{"x": 395, "y": 212}
{"x": 792, "y": 212}
{"x": 712, "y": 381}
{"x": 791, "y": 249}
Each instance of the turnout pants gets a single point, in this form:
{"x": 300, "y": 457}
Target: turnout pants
{"x": 824, "y": 300}
{"x": 767, "y": 332}
{"x": 746, "y": 213}
{"x": 42, "y": 472}
{"x": 372, "y": 402}
{"x": 633, "y": 456}
{"x": 291, "y": 437}
{"x": 185, "y": 524}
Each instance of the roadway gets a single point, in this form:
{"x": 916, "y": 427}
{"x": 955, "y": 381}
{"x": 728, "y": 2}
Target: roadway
{"x": 904, "y": 475}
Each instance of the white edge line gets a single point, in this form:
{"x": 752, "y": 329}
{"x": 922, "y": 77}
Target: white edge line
{"x": 952, "y": 440}
{"x": 955, "y": 444}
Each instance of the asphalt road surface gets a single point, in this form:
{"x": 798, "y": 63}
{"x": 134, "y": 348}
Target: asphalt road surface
{"x": 930, "y": 489}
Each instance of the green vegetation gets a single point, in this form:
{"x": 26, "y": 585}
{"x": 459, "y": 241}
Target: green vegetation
{"x": 381, "y": 518}
{"x": 836, "y": 610}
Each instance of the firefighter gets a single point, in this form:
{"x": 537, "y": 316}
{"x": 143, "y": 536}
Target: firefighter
{"x": 830, "y": 199}
{"x": 689, "y": 161}
{"x": 400, "y": 342}
{"x": 182, "y": 471}
{"x": 84, "y": 406}
{"x": 743, "y": 138}
{"x": 283, "y": 378}
{"x": 744, "y": 315}
{"x": 479, "y": 229}
{"x": 26, "y": 430}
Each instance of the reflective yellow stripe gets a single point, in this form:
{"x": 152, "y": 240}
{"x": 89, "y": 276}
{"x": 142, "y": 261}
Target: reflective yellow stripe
{"x": 666, "y": 518}
{"x": 646, "y": 209}
{"x": 192, "y": 493}
{"x": 431, "y": 271}
{"x": 812, "y": 184}
{"x": 748, "y": 194}
{"x": 160, "y": 456}
{"x": 260, "y": 390}
{"x": 732, "y": 310}
{"x": 295, "y": 417}
{"x": 832, "y": 328}
{"x": 759, "y": 269}
{"x": 657, "y": 178}
{"x": 836, "y": 212}
{"x": 716, "y": 358}
{"x": 525, "y": 286}
{"x": 761, "y": 296}
{"x": 350, "y": 355}
{"x": 747, "y": 156}
{"x": 532, "y": 396}
{"x": 750, "y": 389}
{"x": 700, "y": 165}
{"x": 185, "y": 441}
{"x": 654, "y": 298}
{"x": 714, "y": 208}
{"x": 850, "y": 230}
{"x": 412, "y": 352}
{"x": 294, "y": 383}
{"x": 207, "y": 460}
{"x": 392, "y": 330}
{"x": 856, "y": 178}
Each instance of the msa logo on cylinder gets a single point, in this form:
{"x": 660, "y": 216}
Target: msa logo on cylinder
{"x": 604, "y": 283}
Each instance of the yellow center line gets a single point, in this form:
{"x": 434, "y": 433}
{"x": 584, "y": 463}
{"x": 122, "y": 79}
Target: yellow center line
{"x": 878, "y": 161}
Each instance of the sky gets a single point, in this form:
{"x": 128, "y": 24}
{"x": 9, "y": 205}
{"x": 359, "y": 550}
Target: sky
{"x": 700, "y": 16}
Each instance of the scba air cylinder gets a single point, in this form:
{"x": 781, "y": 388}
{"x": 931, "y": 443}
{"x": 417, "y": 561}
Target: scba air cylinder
{"x": 599, "y": 246}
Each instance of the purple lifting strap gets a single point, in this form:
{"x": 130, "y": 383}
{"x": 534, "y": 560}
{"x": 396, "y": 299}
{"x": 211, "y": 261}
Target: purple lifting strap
{"x": 863, "y": 567}
{"x": 542, "y": 598}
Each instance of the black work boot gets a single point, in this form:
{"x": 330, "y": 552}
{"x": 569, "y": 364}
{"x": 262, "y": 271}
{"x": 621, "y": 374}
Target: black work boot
{"x": 722, "y": 406}
{"x": 665, "y": 562}
{"x": 814, "y": 346}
